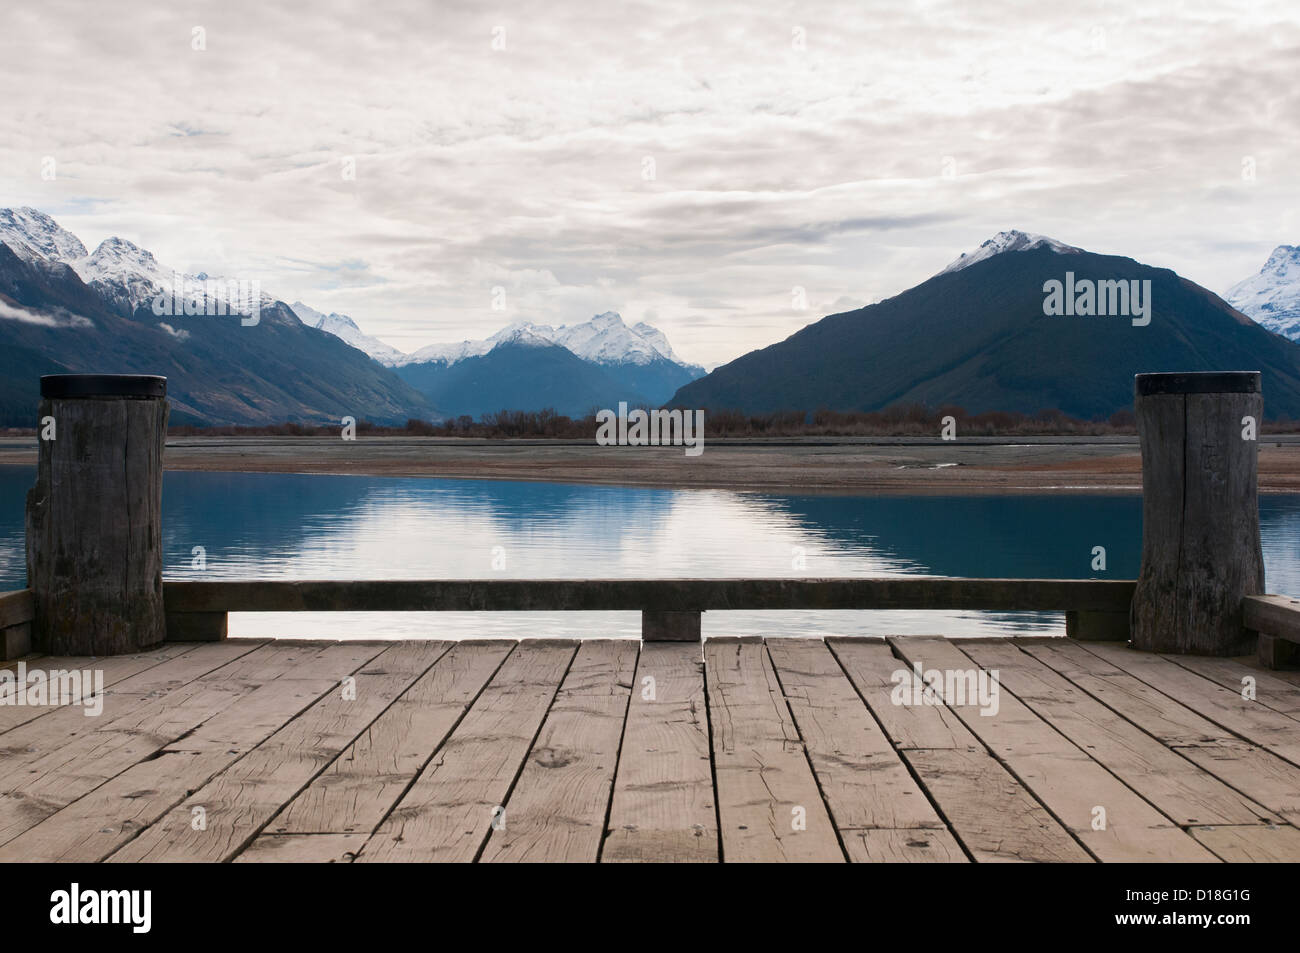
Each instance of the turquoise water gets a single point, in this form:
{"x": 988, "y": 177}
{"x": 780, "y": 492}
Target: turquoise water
{"x": 294, "y": 526}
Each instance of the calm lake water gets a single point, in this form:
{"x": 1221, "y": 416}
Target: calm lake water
{"x": 291, "y": 526}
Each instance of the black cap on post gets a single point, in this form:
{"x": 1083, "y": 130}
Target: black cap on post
{"x": 103, "y": 385}
{"x": 1198, "y": 382}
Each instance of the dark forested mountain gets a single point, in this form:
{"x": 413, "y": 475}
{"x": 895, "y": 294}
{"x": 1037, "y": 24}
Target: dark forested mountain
{"x": 976, "y": 336}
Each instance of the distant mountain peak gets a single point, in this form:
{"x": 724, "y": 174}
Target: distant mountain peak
{"x": 345, "y": 329}
{"x": 523, "y": 334}
{"x": 117, "y": 258}
{"x": 1271, "y": 297}
{"x": 605, "y": 339}
{"x": 1011, "y": 240}
{"x": 32, "y": 234}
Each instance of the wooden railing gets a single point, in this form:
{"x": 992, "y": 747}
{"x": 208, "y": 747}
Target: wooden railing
{"x": 1276, "y": 619}
{"x": 670, "y": 608}
{"x": 1201, "y": 566}
{"x": 17, "y": 610}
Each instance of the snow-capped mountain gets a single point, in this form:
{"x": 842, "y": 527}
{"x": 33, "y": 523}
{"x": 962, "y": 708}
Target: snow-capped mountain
{"x": 1272, "y": 297}
{"x": 1012, "y": 240}
{"x": 34, "y": 236}
{"x": 127, "y": 275}
{"x": 123, "y": 272}
{"x": 65, "y": 311}
{"x": 572, "y": 368}
{"x": 605, "y": 339}
{"x": 344, "y": 328}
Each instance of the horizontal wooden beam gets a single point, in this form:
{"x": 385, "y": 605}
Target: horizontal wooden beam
{"x": 660, "y": 595}
{"x": 16, "y": 607}
{"x": 1272, "y": 615}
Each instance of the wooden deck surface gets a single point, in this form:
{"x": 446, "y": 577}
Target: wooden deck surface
{"x": 737, "y": 750}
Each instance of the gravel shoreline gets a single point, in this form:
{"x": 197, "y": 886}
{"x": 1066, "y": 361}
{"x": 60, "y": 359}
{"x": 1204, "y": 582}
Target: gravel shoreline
{"x": 822, "y": 465}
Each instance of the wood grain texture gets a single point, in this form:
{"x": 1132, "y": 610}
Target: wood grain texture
{"x": 557, "y": 809}
{"x": 769, "y": 806}
{"x": 1258, "y": 774}
{"x": 863, "y": 780}
{"x": 94, "y": 527}
{"x": 359, "y": 788}
{"x": 239, "y": 800}
{"x": 1236, "y": 845}
{"x": 609, "y": 749}
{"x": 122, "y": 788}
{"x": 1071, "y": 784}
{"x": 448, "y": 812}
{"x": 1201, "y": 550}
{"x": 1180, "y": 789}
{"x": 663, "y": 808}
{"x": 986, "y": 807}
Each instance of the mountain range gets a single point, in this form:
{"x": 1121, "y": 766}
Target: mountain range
{"x": 978, "y": 335}
{"x": 571, "y": 369}
{"x": 66, "y": 310}
{"x": 63, "y": 310}
{"x": 574, "y": 369}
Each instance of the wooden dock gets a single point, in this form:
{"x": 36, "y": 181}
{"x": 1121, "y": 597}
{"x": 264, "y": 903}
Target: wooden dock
{"x": 607, "y": 750}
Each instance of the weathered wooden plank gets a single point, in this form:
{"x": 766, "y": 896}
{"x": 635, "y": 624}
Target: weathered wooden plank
{"x": 769, "y": 806}
{"x": 359, "y": 788}
{"x": 1273, "y": 692}
{"x": 480, "y": 595}
{"x": 990, "y": 810}
{"x": 1260, "y": 775}
{"x": 876, "y": 672}
{"x": 987, "y": 808}
{"x": 1075, "y": 788}
{"x": 1176, "y": 786}
{"x": 1236, "y": 845}
{"x": 133, "y": 706}
{"x": 557, "y": 809}
{"x": 54, "y": 771}
{"x": 239, "y": 801}
{"x": 114, "y": 670}
{"x": 1248, "y": 719}
{"x": 915, "y": 846}
{"x": 663, "y": 808}
{"x": 302, "y": 849}
{"x": 448, "y": 812}
{"x": 863, "y": 780}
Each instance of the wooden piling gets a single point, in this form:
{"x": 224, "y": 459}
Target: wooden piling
{"x": 94, "y": 517}
{"x": 1201, "y": 551}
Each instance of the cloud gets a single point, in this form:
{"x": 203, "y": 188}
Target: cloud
{"x": 181, "y": 335}
{"x": 853, "y": 165}
{"x": 56, "y": 318}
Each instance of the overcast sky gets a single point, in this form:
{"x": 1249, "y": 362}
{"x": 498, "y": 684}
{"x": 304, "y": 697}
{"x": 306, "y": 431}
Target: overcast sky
{"x": 684, "y": 168}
